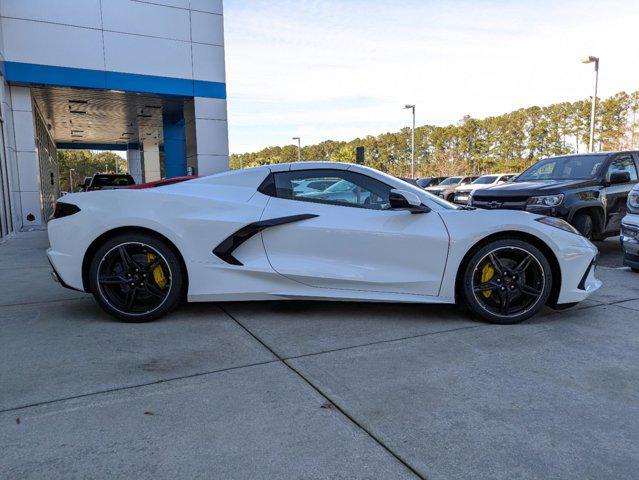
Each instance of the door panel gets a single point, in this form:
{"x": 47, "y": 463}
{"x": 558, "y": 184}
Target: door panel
{"x": 617, "y": 195}
{"x": 357, "y": 248}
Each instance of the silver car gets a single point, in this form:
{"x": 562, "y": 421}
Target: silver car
{"x": 463, "y": 192}
{"x": 630, "y": 231}
{"x": 446, "y": 189}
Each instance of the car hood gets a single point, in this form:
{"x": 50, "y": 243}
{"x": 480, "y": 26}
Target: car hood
{"x": 545, "y": 187}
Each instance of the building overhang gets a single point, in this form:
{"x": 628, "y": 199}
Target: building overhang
{"x": 49, "y": 75}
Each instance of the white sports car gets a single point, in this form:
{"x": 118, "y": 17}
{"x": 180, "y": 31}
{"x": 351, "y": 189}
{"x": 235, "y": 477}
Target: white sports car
{"x": 255, "y": 234}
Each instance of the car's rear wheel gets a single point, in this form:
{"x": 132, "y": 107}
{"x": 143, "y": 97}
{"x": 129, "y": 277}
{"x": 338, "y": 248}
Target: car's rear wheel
{"x": 136, "y": 277}
{"x": 507, "y": 281}
{"x": 583, "y": 222}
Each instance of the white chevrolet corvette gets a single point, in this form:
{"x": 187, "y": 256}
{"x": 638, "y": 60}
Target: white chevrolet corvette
{"x": 312, "y": 231}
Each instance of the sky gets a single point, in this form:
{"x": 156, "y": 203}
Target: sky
{"x": 328, "y": 69}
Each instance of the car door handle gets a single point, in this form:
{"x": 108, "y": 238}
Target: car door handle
{"x": 225, "y": 249}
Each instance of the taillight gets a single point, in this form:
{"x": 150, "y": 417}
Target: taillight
{"x": 65, "y": 209}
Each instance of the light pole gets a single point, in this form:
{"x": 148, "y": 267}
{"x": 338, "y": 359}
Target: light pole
{"x": 299, "y": 148}
{"x": 594, "y": 60}
{"x": 71, "y": 170}
{"x": 412, "y": 148}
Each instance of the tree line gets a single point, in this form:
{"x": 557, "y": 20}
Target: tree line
{"x": 506, "y": 143}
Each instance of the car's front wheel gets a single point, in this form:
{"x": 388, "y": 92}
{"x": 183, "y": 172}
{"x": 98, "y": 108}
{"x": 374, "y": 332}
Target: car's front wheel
{"x": 583, "y": 223}
{"x": 136, "y": 277}
{"x": 506, "y": 281}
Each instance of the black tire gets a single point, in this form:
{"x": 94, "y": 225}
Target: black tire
{"x": 636, "y": 270}
{"x": 527, "y": 291}
{"x": 451, "y": 198}
{"x": 150, "y": 298}
{"x": 583, "y": 222}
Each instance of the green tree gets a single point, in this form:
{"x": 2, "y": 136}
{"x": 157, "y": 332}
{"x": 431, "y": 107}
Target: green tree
{"x": 510, "y": 142}
{"x": 86, "y": 163}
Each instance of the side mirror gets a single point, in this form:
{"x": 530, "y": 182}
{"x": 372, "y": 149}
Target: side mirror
{"x": 619, "y": 177}
{"x": 405, "y": 200}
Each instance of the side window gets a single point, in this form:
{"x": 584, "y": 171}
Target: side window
{"x": 623, "y": 163}
{"x": 339, "y": 187}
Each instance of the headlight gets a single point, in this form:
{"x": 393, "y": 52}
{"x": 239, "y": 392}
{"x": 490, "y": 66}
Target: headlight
{"x": 558, "y": 223}
{"x": 546, "y": 200}
{"x": 633, "y": 200}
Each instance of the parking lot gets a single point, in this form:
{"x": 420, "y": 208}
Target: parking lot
{"x": 314, "y": 390}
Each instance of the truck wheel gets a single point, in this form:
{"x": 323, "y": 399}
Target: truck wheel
{"x": 583, "y": 223}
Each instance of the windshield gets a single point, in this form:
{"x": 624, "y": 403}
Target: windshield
{"x": 572, "y": 167}
{"x": 425, "y": 182}
{"x": 485, "y": 180}
{"x": 451, "y": 180}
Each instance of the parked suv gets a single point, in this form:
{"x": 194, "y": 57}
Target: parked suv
{"x": 446, "y": 188}
{"x": 630, "y": 231}
{"x": 107, "y": 181}
{"x": 463, "y": 192}
{"x": 588, "y": 190}
{"x": 426, "y": 182}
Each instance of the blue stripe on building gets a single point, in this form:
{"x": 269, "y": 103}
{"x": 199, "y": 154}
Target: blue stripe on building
{"x": 16, "y": 72}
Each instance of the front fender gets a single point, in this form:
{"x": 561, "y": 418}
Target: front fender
{"x": 468, "y": 228}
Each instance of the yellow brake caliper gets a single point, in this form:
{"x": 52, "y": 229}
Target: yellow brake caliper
{"x": 158, "y": 273}
{"x": 487, "y": 273}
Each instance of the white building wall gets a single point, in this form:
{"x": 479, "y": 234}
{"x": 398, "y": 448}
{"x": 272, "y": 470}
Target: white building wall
{"x": 174, "y": 39}
{"x": 26, "y": 159}
{"x": 134, "y": 160}
{"x": 8, "y": 161}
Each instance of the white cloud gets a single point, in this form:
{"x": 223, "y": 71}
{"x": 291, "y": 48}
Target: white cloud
{"x": 341, "y": 69}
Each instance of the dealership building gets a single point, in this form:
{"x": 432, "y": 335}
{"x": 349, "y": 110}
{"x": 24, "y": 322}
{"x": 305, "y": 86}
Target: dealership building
{"x": 143, "y": 77}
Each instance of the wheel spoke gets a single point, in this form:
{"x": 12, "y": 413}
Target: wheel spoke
{"x": 154, "y": 291}
{"x": 113, "y": 280}
{"x": 528, "y": 290}
{"x": 504, "y": 304}
{"x": 130, "y": 297}
{"x": 153, "y": 265}
{"x": 127, "y": 261}
{"x": 486, "y": 287}
{"x": 524, "y": 264}
{"x": 496, "y": 263}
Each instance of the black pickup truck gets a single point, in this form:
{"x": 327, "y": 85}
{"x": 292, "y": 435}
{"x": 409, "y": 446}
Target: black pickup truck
{"x": 587, "y": 190}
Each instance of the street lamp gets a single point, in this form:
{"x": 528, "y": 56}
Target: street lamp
{"x": 594, "y": 60}
{"x": 412, "y": 149}
{"x": 71, "y": 170}
{"x": 299, "y": 148}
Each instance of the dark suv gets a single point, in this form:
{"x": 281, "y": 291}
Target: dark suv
{"x": 587, "y": 190}
{"x": 107, "y": 181}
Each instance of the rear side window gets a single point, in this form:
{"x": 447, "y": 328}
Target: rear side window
{"x": 339, "y": 187}
{"x": 623, "y": 163}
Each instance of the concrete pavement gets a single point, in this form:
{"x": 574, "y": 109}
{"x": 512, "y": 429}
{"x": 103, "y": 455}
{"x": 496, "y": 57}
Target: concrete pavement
{"x": 313, "y": 390}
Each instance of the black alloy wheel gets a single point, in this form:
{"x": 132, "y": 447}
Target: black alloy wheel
{"x": 136, "y": 279}
{"x": 507, "y": 281}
